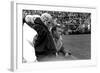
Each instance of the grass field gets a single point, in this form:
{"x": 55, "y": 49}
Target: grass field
{"x": 80, "y": 45}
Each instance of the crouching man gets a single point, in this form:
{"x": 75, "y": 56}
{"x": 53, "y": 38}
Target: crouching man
{"x": 56, "y": 32}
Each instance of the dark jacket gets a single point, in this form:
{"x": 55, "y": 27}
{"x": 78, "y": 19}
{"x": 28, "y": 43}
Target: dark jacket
{"x": 44, "y": 43}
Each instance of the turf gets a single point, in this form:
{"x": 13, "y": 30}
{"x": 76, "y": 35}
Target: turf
{"x": 80, "y": 45}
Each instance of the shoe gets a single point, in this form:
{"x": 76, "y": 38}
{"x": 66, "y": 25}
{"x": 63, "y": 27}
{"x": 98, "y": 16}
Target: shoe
{"x": 56, "y": 54}
{"x": 67, "y": 54}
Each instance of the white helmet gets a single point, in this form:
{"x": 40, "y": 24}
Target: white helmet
{"x": 45, "y": 17}
{"x": 31, "y": 18}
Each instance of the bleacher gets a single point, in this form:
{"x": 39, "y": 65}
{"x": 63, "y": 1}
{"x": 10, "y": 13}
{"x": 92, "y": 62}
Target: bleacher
{"x": 73, "y": 21}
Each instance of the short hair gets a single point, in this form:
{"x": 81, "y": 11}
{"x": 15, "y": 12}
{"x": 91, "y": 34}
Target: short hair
{"x": 46, "y": 17}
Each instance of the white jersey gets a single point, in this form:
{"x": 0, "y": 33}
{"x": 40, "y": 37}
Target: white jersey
{"x": 28, "y": 47}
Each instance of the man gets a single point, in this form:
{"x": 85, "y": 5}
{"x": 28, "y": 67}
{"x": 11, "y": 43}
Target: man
{"x": 43, "y": 44}
{"x": 28, "y": 34}
{"x": 56, "y": 32}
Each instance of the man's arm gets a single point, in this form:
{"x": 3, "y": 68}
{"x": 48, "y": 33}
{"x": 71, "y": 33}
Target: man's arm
{"x": 41, "y": 32}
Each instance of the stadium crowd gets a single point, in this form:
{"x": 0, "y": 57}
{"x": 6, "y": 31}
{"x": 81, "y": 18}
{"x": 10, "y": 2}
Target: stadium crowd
{"x": 70, "y": 22}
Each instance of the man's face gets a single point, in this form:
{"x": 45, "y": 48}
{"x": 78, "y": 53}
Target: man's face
{"x": 59, "y": 31}
{"x": 48, "y": 24}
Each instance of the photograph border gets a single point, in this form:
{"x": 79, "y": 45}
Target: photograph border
{"x": 16, "y": 63}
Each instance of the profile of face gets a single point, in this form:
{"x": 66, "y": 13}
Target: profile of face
{"x": 49, "y": 24}
{"x": 59, "y": 30}
{"x": 46, "y": 19}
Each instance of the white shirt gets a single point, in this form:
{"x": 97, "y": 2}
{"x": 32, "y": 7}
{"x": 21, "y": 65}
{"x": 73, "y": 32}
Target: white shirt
{"x": 28, "y": 47}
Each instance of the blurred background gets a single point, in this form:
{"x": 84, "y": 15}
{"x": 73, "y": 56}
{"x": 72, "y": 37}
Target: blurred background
{"x": 70, "y": 22}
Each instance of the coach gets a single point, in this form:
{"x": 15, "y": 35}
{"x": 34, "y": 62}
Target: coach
{"x": 44, "y": 44}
